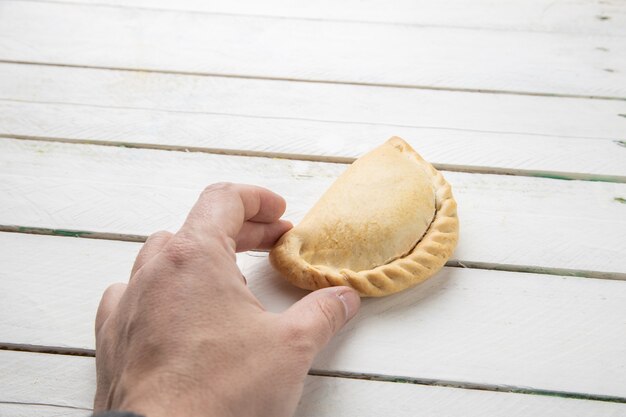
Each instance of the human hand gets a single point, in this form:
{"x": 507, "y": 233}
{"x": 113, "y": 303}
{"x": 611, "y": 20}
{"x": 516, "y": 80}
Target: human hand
{"x": 186, "y": 337}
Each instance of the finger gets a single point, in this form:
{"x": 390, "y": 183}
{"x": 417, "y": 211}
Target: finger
{"x": 226, "y": 207}
{"x": 323, "y": 313}
{"x": 153, "y": 245}
{"x": 273, "y": 206}
{"x": 260, "y": 235}
{"x": 110, "y": 299}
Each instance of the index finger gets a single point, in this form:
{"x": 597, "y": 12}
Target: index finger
{"x": 225, "y": 207}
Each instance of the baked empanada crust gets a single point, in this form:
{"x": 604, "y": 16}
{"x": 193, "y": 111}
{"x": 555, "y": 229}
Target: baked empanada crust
{"x": 388, "y": 223}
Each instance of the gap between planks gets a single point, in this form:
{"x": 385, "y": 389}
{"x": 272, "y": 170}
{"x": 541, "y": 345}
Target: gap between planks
{"x": 579, "y": 273}
{"x": 558, "y": 175}
{"x": 363, "y": 376}
{"x": 46, "y": 405}
{"x": 470, "y": 385}
{"x": 317, "y": 81}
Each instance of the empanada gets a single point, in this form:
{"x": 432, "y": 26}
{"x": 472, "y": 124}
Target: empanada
{"x": 387, "y": 223}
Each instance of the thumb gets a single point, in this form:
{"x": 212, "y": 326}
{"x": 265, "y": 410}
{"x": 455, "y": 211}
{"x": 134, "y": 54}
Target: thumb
{"x": 322, "y": 313}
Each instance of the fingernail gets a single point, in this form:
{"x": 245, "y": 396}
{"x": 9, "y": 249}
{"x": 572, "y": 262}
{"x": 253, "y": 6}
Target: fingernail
{"x": 351, "y": 301}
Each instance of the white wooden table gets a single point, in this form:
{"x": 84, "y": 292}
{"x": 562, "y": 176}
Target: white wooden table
{"x": 115, "y": 113}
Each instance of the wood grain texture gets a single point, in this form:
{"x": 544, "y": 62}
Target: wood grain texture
{"x": 36, "y": 379}
{"x": 311, "y": 102}
{"x": 408, "y": 56}
{"x": 574, "y": 16}
{"x": 492, "y": 328}
{"x": 458, "y": 150}
{"x": 472, "y": 326}
{"x": 516, "y": 134}
{"x": 47, "y": 380}
{"x": 538, "y": 222}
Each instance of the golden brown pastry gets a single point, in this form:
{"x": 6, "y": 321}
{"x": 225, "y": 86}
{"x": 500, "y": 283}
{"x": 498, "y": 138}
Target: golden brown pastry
{"x": 387, "y": 223}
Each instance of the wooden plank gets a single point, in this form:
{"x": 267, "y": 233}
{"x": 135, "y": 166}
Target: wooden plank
{"x": 497, "y": 133}
{"x": 47, "y": 380}
{"x": 574, "y": 16}
{"x": 53, "y": 379}
{"x": 409, "y": 56}
{"x": 509, "y": 153}
{"x": 464, "y": 326}
{"x": 34, "y": 304}
{"x": 505, "y": 220}
{"x": 372, "y": 106}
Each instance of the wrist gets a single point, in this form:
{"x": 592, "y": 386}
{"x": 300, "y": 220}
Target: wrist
{"x": 167, "y": 397}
